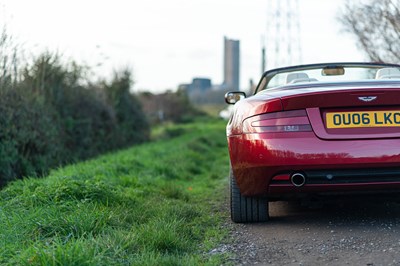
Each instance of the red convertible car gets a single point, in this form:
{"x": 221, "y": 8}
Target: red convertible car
{"x": 314, "y": 130}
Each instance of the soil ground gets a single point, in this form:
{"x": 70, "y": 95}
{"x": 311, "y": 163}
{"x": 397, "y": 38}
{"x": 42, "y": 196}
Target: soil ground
{"x": 353, "y": 231}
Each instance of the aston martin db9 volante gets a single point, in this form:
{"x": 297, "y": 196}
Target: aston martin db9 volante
{"x": 314, "y": 130}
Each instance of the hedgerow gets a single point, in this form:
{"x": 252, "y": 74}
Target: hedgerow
{"x": 52, "y": 114}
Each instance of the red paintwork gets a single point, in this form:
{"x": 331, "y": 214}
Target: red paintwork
{"x": 283, "y": 177}
{"x": 257, "y": 157}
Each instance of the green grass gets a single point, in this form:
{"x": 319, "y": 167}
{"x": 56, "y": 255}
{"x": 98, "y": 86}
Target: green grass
{"x": 152, "y": 204}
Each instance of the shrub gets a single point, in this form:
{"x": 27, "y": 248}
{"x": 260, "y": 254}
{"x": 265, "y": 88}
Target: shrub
{"x": 86, "y": 119}
{"x": 169, "y": 106}
{"x": 132, "y": 126}
{"x": 29, "y": 135}
{"x": 52, "y": 115}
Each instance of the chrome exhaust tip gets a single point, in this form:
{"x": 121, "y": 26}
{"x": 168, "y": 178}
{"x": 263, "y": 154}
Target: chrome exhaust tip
{"x": 298, "y": 179}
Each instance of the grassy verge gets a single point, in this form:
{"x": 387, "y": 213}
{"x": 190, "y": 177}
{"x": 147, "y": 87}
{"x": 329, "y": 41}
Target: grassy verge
{"x": 148, "y": 205}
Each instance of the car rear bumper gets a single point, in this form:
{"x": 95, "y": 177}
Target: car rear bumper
{"x": 263, "y": 164}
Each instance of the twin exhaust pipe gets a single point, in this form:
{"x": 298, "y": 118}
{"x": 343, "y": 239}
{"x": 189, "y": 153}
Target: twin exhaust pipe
{"x": 298, "y": 179}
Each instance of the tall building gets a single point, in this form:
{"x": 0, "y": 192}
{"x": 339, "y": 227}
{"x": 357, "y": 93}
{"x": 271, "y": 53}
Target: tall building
{"x": 231, "y": 63}
{"x": 200, "y": 84}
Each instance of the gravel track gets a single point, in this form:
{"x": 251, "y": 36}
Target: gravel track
{"x": 355, "y": 231}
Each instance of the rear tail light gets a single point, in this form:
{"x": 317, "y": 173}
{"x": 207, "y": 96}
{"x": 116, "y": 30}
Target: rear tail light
{"x": 287, "y": 121}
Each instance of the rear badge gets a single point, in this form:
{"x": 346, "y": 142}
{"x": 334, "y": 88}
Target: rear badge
{"x": 367, "y": 98}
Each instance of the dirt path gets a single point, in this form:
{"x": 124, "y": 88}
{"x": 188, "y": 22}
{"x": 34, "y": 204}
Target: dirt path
{"x": 350, "y": 232}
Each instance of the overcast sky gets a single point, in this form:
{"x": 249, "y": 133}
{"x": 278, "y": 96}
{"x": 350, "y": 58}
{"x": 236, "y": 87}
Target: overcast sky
{"x": 168, "y": 42}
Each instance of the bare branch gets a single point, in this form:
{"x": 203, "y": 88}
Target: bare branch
{"x": 376, "y": 27}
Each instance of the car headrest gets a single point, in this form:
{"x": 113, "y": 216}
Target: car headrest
{"x": 298, "y": 77}
{"x": 303, "y": 80}
{"x": 388, "y": 73}
{"x": 293, "y": 76}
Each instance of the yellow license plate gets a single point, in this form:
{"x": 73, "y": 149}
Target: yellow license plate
{"x": 363, "y": 119}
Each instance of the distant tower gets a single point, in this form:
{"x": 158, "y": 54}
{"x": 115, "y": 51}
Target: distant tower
{"x": 231, "y": 63}
{"x": 282, "y": 40}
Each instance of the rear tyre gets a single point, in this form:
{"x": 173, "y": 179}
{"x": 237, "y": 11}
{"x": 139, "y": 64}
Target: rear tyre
{"x": 246, "y": 209}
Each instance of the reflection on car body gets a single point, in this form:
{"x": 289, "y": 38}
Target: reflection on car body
{"x": 313, "y": 130}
